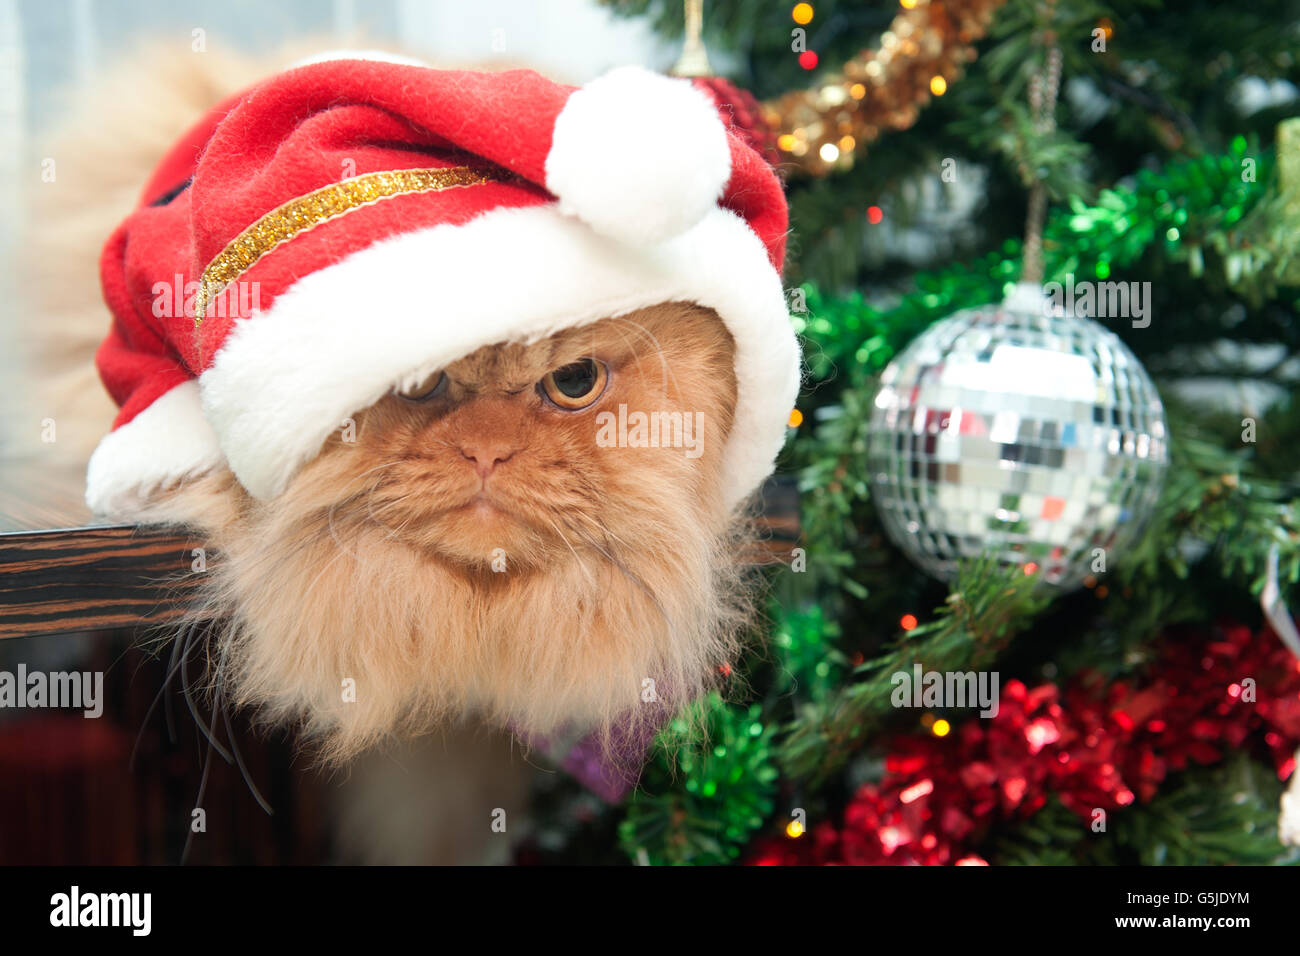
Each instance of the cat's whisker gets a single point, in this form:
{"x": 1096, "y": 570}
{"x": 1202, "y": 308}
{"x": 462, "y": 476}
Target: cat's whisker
{"x": 221, "y": 701}
{"x": 369, "y": 471}
{"x": 605, "y": 532}
{"x": 582, "y": 564}
{"x": 198, "y": 801}
{"x": 391, "y": 503}
{"x": 666, "y": 370}
{"x": 173, "y": 665}
{"x": 618, "y": 563}
{"x": 328, "y": 564}
{"x": 395, "y": 502}
{"x": 342, "y": 549}
{"x": 187, "y": 690}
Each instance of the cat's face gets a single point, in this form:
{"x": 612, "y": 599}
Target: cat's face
{"x": 530, "y": 533}
{"x": 515, "y": 454}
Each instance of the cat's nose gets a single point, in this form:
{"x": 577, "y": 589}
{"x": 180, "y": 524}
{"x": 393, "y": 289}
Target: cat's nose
{"x": 486, "y": 454}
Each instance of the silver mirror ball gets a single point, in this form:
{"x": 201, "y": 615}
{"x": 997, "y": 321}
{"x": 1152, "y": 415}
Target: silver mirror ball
{"x": 1017, "y": 428}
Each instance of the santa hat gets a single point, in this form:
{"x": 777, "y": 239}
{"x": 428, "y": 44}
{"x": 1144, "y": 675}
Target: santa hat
{"x": 349, "y": 225}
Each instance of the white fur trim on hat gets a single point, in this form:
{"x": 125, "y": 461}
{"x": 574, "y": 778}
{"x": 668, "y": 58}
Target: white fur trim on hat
{"x": 340, "y": 338}
{"x": 637, "y": 156}
{"x": 168, "y": 441}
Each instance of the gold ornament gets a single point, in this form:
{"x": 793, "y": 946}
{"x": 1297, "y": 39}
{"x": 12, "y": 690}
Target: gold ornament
{"x": 821, "y": 130}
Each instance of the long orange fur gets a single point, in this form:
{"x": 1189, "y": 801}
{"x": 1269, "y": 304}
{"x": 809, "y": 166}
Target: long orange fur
{"x": 622, "y": 564}
{"x": 374, "y": 567}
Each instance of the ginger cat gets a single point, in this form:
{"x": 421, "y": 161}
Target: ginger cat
{"x": 471, "y": 553}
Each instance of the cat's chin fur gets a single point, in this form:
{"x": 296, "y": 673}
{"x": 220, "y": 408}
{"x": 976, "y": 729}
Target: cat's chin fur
{"x": 355, "y": 636}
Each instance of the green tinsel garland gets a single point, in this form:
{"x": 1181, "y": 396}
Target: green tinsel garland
{"x": 1187, "y": 208}
{"x": 704, "y": 796}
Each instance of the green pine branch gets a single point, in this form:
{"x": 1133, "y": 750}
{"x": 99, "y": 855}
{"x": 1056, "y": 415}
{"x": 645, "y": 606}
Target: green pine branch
{"x": 988, "y": 605}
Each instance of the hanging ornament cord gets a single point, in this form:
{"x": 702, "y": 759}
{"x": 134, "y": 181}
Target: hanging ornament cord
{"x": 1043, "y": 89}
{"x": 694, "y": 60}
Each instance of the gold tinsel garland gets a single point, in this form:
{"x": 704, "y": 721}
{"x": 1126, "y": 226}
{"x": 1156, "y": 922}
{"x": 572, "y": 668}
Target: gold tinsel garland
{"x": 818, "y": 131}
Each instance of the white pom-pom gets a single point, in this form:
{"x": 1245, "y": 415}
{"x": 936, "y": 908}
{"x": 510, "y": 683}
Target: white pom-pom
{"x": 637, "y": 156}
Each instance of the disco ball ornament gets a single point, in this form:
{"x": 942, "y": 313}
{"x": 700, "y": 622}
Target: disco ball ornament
{"x": 1037, "y": 436}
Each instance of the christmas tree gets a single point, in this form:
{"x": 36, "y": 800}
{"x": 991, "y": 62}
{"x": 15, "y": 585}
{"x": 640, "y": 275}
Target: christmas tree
{"x": 935, "y": 155}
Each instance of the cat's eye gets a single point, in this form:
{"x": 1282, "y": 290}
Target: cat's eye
{"x": 576, "y": 385}
{"x": 425, "y": 389}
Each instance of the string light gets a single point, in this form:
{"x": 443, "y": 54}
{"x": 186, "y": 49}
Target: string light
{"x": 907, "y": 622}
{"x": 941, "y": 728}
{"x": 829, "y": 152}
{"x": 794, "y": 830}
{"x": 808, "y": 59}
{"x": 796, "y": 418}
{"x": 916, "y": 791}
{"x": 938, "y": 85}
{"x": 874, "y": 215}
{"x": 802, "y": 13}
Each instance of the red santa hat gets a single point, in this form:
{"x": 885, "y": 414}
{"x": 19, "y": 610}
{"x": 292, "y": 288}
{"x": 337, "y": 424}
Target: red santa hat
{"x": 352, "y": 224}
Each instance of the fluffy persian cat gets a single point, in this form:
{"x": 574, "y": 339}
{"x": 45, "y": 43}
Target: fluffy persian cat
{"x": 466, "y": 547}
{"x": 473, "y": 549}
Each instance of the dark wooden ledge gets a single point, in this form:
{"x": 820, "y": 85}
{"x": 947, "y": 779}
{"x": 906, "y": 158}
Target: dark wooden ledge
{"x": 61, "y": 580}
{"x": 84, "y": 579}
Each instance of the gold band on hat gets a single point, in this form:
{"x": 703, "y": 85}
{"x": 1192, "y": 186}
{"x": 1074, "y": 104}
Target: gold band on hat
{"x": 329, "y": 202}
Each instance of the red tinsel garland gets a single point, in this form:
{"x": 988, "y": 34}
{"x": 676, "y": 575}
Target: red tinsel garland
{"x": 1093, "y": 746}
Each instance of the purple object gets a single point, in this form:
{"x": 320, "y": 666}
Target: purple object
{"x": 612, "y": 770}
